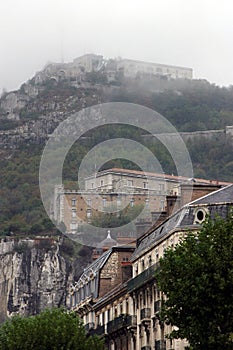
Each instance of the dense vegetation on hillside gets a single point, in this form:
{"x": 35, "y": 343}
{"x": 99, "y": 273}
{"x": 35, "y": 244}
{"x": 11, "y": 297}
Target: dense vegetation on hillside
{"x": 190, "y": 106}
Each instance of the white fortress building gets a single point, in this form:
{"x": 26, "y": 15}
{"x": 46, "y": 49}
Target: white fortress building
{"x": 127, "y": 68}
{"x": 134, "y": 68}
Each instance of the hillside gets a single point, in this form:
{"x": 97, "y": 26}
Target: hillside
{"x": 28, "y": 116}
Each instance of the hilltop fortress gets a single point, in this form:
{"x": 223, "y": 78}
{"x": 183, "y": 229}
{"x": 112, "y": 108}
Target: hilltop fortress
{"x": 61, "y": 89}
{"x": 113, "y": 68}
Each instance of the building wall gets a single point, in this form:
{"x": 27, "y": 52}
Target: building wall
{"x": 132, "y": 68}
{"x": 75, "y": 208}
{"x": 139, "y": 299}
{"x": 140, "y": 304}
{"x": 132, "y": 182}
{"x": 112, "y": 273}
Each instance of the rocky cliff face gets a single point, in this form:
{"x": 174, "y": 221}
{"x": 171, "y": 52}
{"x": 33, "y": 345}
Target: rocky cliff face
{"x": 34, "y": 275}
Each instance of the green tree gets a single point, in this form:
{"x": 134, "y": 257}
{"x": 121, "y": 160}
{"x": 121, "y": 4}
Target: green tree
{"x": 52, "y": 329}
{"x": 112, "y": 219}
{"x": 196, "y": 278}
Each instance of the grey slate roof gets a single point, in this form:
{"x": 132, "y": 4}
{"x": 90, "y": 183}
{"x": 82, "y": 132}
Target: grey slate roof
{"x": 223, "y": 195}
{"x": 216, "y": 203}
{"x": 95, "y": 267}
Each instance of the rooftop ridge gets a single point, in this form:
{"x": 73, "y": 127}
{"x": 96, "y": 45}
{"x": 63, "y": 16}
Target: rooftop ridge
{"x": 165, "y": 176}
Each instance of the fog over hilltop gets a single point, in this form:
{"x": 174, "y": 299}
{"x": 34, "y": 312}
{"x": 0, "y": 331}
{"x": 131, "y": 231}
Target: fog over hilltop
{"x": 195, "y": 34}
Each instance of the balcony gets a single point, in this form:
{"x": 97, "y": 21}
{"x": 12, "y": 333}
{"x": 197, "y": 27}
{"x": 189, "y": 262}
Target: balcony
{"x": 99, "y": 330}
{"x": 122, "y": 321}
{"x": 141, "y": 279}
{"x": 89, "y": 326}
{"x": 145, "y": 314}
{"x": 160, "y": 345}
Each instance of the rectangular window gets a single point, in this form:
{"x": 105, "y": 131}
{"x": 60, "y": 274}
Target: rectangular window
{"x": 132, "y": 202}
{"x": 73, "y": 202}
{"x": 89, "y": 202}
{"x": 73, "y": 213}
{"x": 161, "y": 187}
{"x": 101, "y": 182}
{"x": 161, "y": 205}
{"x": 104, "y": 202}
{"x": 88, "y": 213}
{"x": 145, "y": 184}
{"x": 118, "y": 202}
{"x": 73, "y": 226}
{"x": 130, "y": 183}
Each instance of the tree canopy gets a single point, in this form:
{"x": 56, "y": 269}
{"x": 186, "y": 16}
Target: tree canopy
{"x": 196, "y": 278}
{"x": 52, "y": 329}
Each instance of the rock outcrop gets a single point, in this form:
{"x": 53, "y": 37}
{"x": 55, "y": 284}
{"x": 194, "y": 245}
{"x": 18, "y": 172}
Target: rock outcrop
{"x": 34, "y": 274}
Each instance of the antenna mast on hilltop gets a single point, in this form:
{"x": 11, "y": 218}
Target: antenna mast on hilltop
{"x": 61, "y": 43}
{"x": 62, "y": 48}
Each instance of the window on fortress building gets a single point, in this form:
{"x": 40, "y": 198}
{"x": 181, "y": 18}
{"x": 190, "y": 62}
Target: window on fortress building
{"x": 88, "y": 213}
{"x": 89, "y": 202}
{"x": 132, "y": 202}
{"x": 145, "y": 184}
{"x": 161, "y": 207}
{"x": 73, "y": 213}
{"x": 130, "y": 183}
{"x": 73, "y": 226}
{"x": 73, "y": 202}
{"x": 118, "y": 201}
{"x": 161, "y": 187}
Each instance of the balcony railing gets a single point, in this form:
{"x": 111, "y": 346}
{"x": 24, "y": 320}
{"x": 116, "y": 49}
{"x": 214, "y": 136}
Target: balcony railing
{"x": 160, "y": 345}
{"x": 122, "y": 321}
{"x": 142, "y": 278}
{"x": 99, "y": 330}
{"x": 145, "y": 314}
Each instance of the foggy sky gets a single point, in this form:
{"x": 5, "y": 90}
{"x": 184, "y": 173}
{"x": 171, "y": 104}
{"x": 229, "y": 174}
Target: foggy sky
{"x": 193, "y": 33}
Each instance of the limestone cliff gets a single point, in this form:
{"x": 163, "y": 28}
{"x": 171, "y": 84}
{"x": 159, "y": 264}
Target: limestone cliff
{"x": 34, "y": 274}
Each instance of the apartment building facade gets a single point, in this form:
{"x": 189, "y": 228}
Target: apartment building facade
{"x": 128, "y": 314}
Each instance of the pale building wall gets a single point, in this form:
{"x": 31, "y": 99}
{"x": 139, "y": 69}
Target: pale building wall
{"x": 132, "y": 68}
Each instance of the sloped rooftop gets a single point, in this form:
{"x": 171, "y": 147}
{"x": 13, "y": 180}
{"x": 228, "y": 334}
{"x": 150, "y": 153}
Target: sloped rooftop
{"x": 223, "y": 195}
{"x": 217, "y": 203}
{"x": 94, "y": 267}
